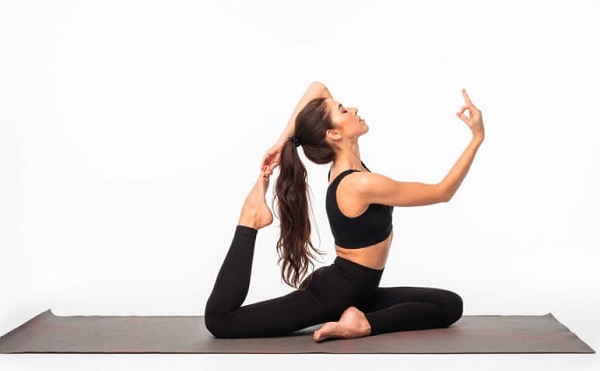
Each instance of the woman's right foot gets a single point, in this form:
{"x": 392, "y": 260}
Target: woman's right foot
{"x": 255, "y": 212}
{"x": 352, "y": 324}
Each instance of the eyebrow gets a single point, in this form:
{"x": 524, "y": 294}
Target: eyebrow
{"x": 339, "y": 107}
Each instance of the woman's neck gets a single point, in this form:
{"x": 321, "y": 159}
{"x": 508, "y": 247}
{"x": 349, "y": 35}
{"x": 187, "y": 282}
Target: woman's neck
{"x": 349, "y": 159}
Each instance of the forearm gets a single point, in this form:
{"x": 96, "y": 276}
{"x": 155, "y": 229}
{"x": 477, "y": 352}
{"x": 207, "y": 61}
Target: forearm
{"x": 315, "y": 90}
{"x": 458, "y": 172}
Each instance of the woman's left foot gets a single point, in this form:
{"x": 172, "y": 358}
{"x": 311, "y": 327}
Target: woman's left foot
{"x": 352, "y": 324}
{"x": 255, "y": 211}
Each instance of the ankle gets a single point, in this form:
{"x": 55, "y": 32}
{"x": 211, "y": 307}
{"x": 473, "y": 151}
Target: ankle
{"x": 248, "y": 223}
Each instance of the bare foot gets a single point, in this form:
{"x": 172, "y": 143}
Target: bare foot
{"x": 255, "y": 212}
{"x": 352, "y": 324}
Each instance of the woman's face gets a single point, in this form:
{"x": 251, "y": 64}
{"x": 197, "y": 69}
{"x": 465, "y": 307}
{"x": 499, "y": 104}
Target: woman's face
{"x": 346, "y": 119}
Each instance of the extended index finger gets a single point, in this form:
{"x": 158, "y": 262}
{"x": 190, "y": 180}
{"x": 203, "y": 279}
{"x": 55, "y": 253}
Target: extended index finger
{"x": 467, "y": 99}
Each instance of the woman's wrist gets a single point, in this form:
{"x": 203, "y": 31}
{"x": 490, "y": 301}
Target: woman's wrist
{"x": 284, "y": 138}
{"x": 478, "y": 137}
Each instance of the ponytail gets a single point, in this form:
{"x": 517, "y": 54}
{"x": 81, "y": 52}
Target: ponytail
{"x": 294, "y": 245}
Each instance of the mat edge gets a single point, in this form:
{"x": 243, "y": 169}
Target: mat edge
{"x": 38, "y": 317}
{"x": 592, "y": 350}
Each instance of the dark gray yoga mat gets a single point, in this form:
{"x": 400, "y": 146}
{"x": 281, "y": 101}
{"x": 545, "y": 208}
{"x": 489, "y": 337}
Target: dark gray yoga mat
{"x": 48, "y": 333}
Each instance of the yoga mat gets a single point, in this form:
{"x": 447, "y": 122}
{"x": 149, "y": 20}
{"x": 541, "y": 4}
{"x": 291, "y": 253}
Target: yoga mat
{"x": 48, "y": 333}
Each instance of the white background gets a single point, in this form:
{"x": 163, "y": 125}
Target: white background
{"x": 131, "y": 131}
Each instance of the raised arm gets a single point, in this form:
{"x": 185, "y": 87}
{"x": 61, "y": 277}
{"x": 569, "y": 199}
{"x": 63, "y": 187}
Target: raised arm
{"x": 271, "y": 158}
{"x": 375, "y": 188}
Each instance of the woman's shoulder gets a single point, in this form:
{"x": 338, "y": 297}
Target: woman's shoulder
{"x": 365, "y": 184}
{"x": 362, "y": 181}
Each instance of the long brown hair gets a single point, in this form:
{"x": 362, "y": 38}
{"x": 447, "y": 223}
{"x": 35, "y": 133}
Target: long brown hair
{"x": 294, "y": 245}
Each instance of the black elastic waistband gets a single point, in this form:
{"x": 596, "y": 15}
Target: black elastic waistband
{"x": 356, "y": 269}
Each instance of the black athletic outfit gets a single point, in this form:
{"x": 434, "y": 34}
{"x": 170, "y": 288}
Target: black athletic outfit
{"x": 329, "y": 290}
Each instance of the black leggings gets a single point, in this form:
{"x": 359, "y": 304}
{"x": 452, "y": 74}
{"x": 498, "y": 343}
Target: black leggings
{"x": 328, "y": 292}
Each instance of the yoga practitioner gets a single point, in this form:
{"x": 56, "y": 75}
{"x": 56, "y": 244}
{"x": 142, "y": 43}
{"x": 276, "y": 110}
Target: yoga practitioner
{"x": 344, "y": 297}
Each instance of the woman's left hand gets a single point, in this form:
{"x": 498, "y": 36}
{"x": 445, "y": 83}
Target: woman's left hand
{"x": 271, "y": 159}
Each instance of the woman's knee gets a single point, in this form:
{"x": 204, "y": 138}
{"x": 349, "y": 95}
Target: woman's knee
{"x": 215, "y": 324}
{"x": 454, "y": 307}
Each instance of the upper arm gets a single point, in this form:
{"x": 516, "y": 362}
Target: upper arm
{"x": 379, "y": 189}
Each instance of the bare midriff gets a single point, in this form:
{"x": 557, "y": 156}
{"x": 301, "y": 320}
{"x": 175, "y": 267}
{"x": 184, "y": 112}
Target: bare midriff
{"x": 373, "y": 256}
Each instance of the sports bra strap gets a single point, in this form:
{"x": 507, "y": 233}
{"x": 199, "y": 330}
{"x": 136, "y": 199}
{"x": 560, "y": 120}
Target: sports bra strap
{"x": 362, "y": 163}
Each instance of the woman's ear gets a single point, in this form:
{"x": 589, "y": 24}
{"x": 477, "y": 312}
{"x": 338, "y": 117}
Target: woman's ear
{"x": 333, "y": 135}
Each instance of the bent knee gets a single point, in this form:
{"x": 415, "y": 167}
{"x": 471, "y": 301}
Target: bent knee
{"x": 454, "y": 307}
{"x": 216, "y": 326}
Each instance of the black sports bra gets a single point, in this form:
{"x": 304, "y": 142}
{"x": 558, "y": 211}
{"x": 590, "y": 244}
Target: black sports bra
{"x": 369, "y": 228}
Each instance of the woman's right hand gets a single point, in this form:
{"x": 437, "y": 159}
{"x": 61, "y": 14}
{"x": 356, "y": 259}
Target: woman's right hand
{"x": 474, "y": 119}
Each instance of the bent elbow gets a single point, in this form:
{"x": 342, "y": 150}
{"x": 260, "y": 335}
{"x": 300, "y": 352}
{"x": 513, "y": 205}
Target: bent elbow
{"x": 317, "y": 84}
{"x": 447, "y": 197}
{"x": 445, "y": 194}
{"x": 319, "y": 89}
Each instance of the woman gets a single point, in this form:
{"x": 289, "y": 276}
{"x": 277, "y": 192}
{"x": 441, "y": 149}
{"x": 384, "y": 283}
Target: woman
{"x": 345, "y": 297}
